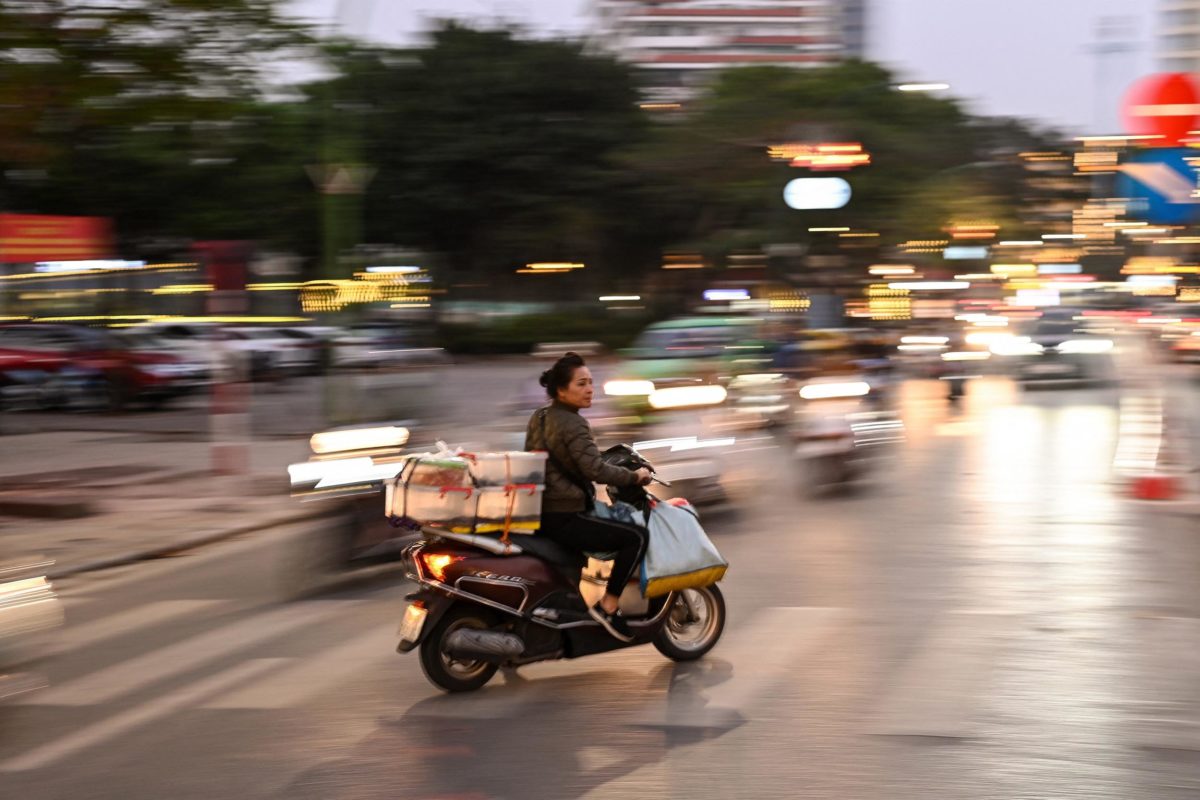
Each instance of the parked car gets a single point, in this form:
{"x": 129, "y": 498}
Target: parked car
{"x": 317, "y": 340}
{"x": 102, "y": 369}
{"x": 228, "y": 357}
{"x": 190, "y": 341}
{"x": 29, "y": 374}
{"x": 202, "y": 360}
{"x": 272, "y": 353}
{"x": 376, "y": 344}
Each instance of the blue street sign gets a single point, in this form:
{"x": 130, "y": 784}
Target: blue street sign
{"x": 1161, "y": 185}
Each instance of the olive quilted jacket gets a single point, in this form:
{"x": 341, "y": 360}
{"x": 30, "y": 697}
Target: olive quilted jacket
{"x": 561, "y": 430}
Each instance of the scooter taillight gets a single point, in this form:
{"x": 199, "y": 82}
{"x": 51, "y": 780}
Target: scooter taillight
{"x": 437, "y": 563}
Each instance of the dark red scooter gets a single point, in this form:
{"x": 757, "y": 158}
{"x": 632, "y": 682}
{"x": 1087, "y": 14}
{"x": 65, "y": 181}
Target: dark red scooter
{"x": 485, "y": 604}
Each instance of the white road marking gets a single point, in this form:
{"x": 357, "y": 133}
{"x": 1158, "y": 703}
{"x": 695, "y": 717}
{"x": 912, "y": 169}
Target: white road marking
{"x": 758, "y": 656}
{"x": 122, "y": 723}
{"x": 763, "y": 654}
{"x": 125, "y": 622}
{"x": 766, "y": 651}
{"x": 291, "y": 687}
{"x": 936, "y": 692}
{"x": 124, "y": 677}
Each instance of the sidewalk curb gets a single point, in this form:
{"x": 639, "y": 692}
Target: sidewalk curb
{"x": 1182, "y": 506}
{"x": 61, "y": 505}
{"x": 177, "y": 546}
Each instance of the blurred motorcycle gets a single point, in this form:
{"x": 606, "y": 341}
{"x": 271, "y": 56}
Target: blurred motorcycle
{"x": 838, "y": 434}
{"x": 346, "y": 472}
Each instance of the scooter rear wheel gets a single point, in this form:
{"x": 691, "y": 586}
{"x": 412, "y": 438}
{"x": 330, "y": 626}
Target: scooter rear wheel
{"x": 694, "y": 625}
{"x": 446, "y": 672}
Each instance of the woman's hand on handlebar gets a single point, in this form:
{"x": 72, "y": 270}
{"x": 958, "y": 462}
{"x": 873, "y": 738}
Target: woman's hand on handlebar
{"x": 644, "y": 476}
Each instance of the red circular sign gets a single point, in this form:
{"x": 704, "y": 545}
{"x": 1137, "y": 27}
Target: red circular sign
{"x": 1166, "y": 105}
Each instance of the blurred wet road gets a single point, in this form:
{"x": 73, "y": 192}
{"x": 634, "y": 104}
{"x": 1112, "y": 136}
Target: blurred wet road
{"x": 987, "y": 617}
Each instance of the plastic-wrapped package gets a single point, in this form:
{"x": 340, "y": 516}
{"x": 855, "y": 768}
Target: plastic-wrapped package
{"x": 517, "y": 507}
{"x": 448, "y": 507}
{"x": 469, "y": 493}
{"x": 506, "y": 469}
{"x": 440, "y": 471}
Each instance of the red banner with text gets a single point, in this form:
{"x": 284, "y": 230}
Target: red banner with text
{"x": 26, "y": 238}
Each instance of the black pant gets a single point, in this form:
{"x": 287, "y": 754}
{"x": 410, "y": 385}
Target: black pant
{"x": 585, "y": 533}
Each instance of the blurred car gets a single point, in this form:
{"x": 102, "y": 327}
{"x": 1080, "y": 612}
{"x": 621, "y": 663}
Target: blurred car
{"x": 105, "y": 371}
{"x": 201, "y": 360}
{"x": 273, "y": 353}
{"x": 189, "y": 341}
{"x": 1056, "y": 350}
{"x": 688, "y": 352}
{"x": 374, "y": 344}
{"x": 317, "y": 340}
{"x": 227, "y": 355}
{"x": 29, "y": 376}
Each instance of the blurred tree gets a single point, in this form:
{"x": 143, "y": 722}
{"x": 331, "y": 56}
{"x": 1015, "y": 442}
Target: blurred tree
{"x": 714, "y": 183}
{"x": 150, "y": 111}
{"x": 492, "y": 150}
{"x": 486, "y": 148}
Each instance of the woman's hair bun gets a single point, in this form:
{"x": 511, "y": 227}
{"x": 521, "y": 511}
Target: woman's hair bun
{"x": 558, "y": 376}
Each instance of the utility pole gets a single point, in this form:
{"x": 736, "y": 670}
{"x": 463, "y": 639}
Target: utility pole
{"x": 1113, "y": 39}
{"x": 340, "y": 178}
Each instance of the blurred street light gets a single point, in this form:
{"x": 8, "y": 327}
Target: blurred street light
{"x": 922, "y": 87}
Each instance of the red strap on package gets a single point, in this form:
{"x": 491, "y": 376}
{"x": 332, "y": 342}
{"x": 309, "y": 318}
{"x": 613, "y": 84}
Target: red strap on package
{"x": 511, "y": 490}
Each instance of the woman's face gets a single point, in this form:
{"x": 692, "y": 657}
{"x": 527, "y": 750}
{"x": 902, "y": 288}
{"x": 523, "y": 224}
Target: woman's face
{"x": 578, "y": 393}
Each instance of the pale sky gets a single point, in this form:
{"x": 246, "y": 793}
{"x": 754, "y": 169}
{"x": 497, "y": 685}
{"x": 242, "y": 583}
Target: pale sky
{"x": 1026, "y": 58}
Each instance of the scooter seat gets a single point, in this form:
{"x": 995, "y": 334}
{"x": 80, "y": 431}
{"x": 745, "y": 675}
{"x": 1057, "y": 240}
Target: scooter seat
{"x": 549, "y": 550}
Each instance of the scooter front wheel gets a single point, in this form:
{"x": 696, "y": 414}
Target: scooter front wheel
{"x": 826, "y": 472}
{"x": 694, "y": 624}
{"x": 445, "y": 671}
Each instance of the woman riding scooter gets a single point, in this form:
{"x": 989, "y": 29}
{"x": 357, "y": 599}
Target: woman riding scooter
{"x": 573, "y": 465}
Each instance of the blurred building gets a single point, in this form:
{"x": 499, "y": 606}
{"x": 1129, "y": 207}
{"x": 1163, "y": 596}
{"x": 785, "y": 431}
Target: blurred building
{"x": 1179, "y": 35}
{"x": 680, "y": 44}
